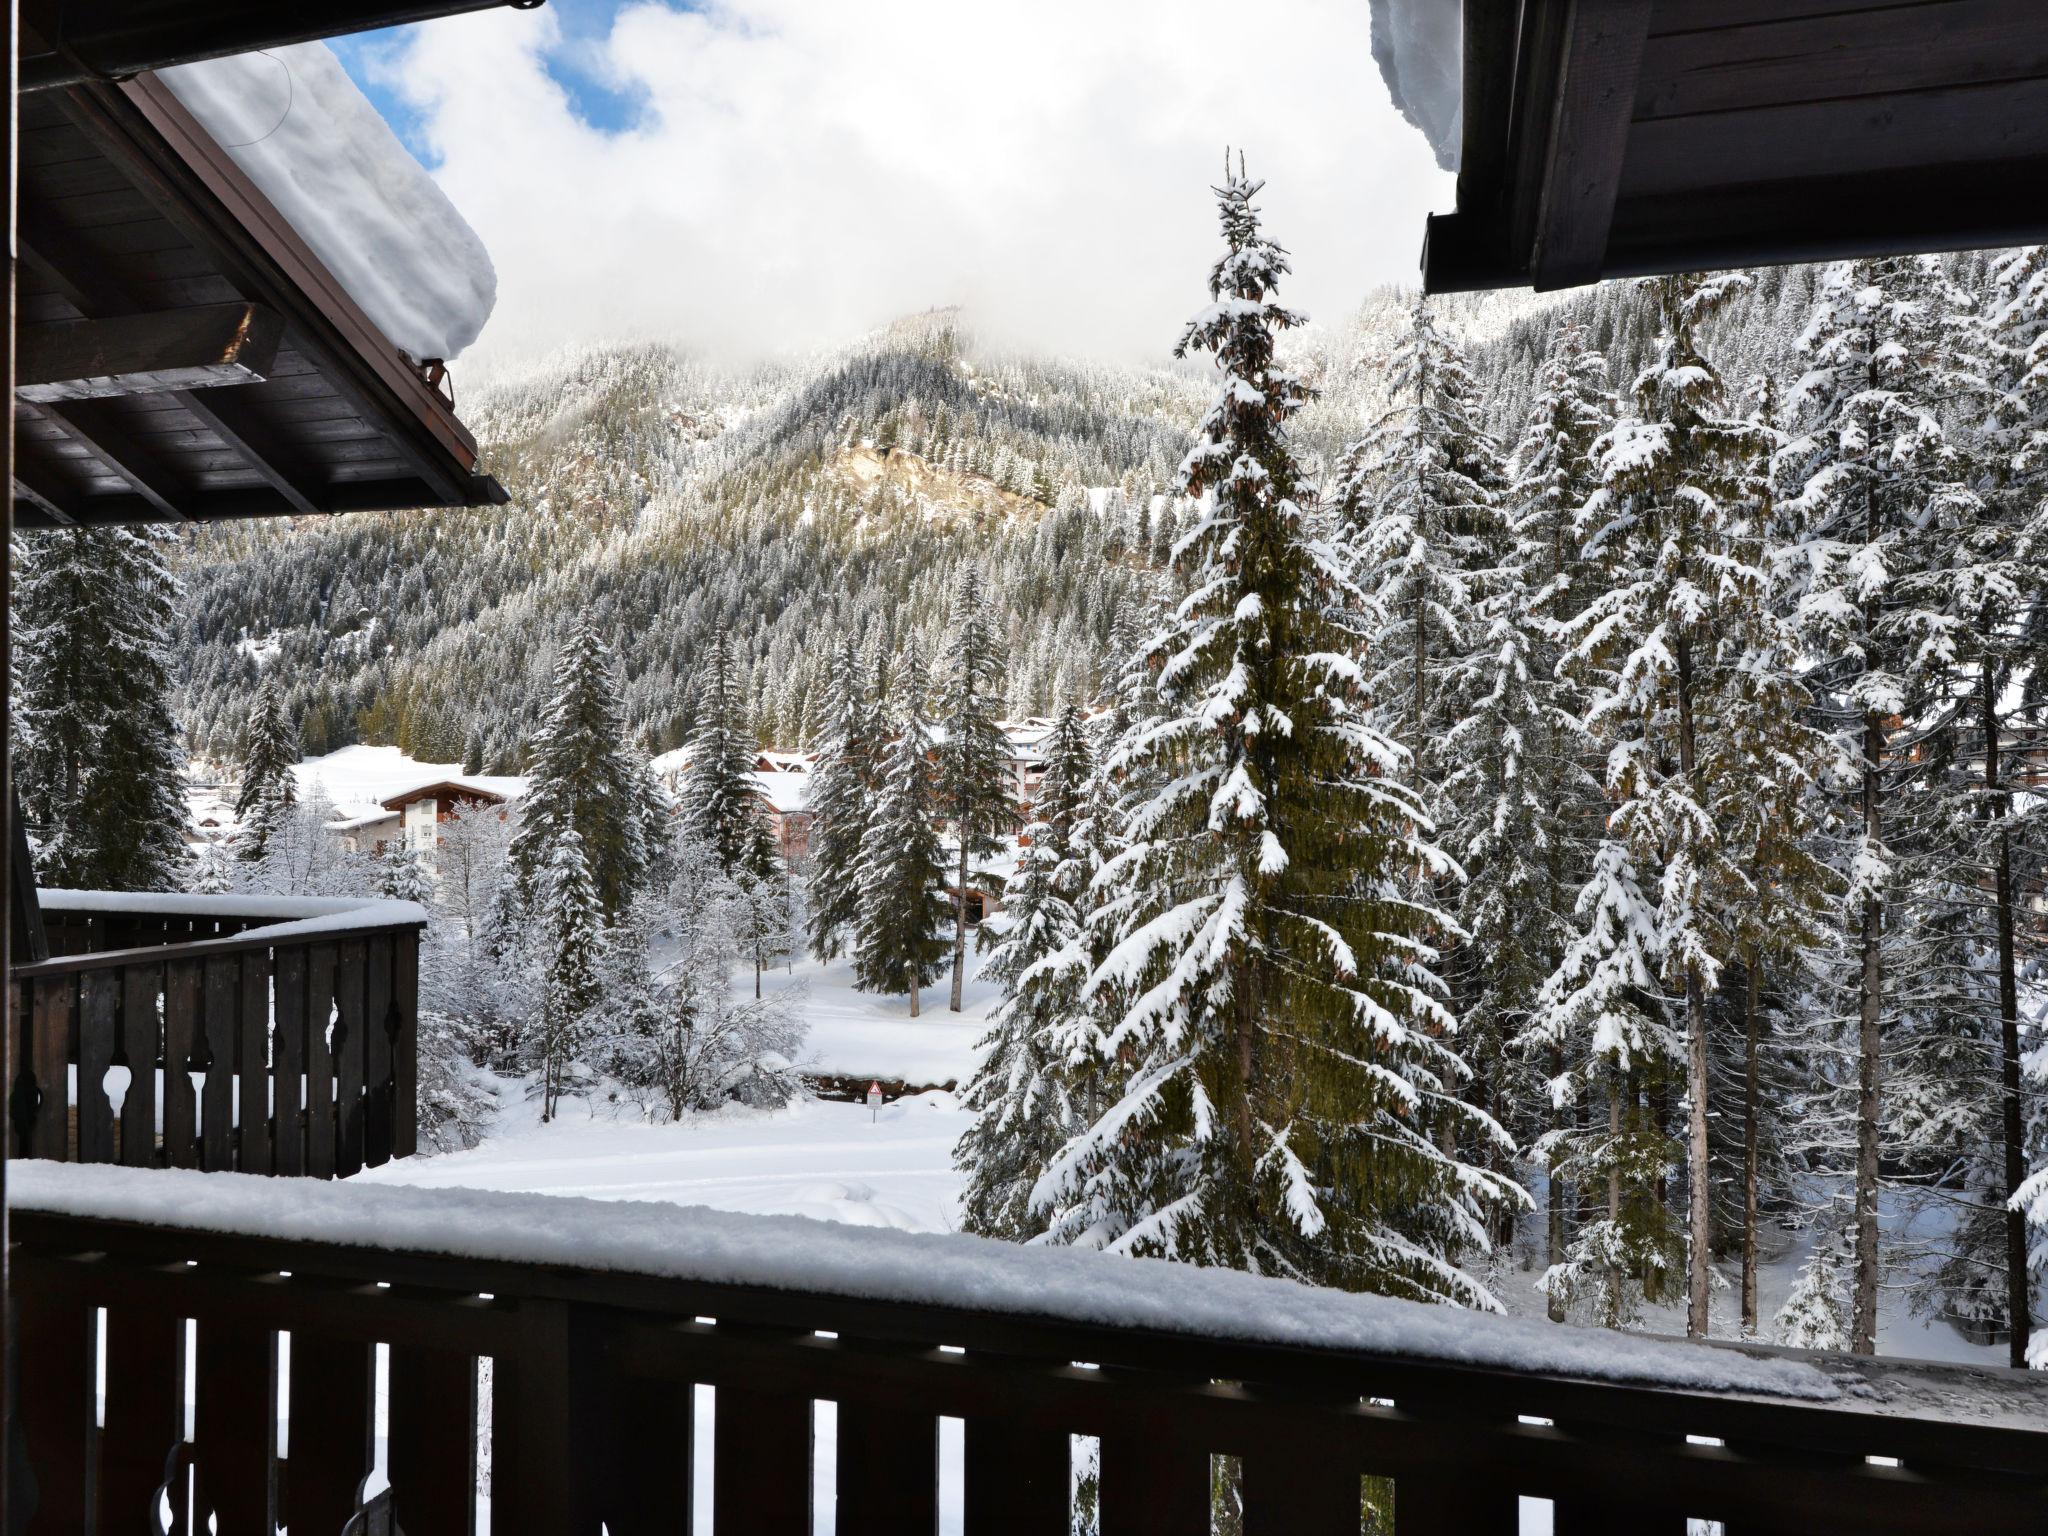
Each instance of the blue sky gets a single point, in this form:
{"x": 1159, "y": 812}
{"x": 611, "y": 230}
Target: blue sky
{"x": 572, "y": 65}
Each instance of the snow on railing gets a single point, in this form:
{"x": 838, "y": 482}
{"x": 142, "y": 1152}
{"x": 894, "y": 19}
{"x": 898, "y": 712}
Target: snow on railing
{"x": 265, "y": 916}
{"x": 605, "y": 1321}
{"x": 872, "y": 1264}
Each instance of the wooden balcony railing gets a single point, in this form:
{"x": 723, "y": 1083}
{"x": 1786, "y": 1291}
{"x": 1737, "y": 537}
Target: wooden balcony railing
{"x": 602, "y": 1319}
{"x": 266, "y": 1035}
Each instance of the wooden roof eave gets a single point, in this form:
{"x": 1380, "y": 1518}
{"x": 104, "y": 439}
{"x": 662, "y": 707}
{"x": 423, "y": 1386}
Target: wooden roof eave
{"x": 201, "y": 191}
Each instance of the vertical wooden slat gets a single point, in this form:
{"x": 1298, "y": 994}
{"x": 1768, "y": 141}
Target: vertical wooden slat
{"x": 143, "y": 1418}
{"x": 235, "y": 1433}
{"x": 320, "y": 1131}
{"x": 888, "y": 1478}
{"x": 1454, "y": 1505}
{"x": 761, "y": 1457}
{"x": 405, "y": 1048}
{"x": 329, "y": 1443}
{"x": 1291, "y": 1491}
{"x": 50, "y": 1030}
{"x": 1154, "y": 1483}
{"x": 141, "y": 1044}
{"x": 288, "y": 1065}
{"x": 181, "y": 1039}
{"x": 351, "y": 965}
{"x": 432, "y": 1438}
{"x": 98, "y": 997}
{"x": 1019, "y": 1479}
{"x": 217, "y": 1096}
{"x": 548, "y": 1462}
{"x": 377, "y": 999}
{"x": 55, "y": 1336}
{"x": 252, "y": 1065}
{"x": 653, "y": 1427}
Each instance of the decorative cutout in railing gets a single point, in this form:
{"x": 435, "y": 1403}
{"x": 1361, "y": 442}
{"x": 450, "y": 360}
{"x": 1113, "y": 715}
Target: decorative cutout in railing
{"x": 266, "y": 1037}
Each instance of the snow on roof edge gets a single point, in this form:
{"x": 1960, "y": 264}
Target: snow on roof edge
{"x": 942, "y": 1269}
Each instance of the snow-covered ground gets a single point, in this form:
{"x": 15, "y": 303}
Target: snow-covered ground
{"x": 857, "y": 1034}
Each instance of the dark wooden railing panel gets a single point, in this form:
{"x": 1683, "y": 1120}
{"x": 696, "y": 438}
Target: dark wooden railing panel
{"x": 761, "y": 1451}
{"x": 235, "y": 1438}
{"x": 142, "y": 1053}
{"x": 431, "y": 1430}
{"x": 98, "y": 1010}
{"x": 405, "y": 1049}
{"x": 332, "y": 1434}
{"x": 888, "y": 1471}
{"x": 594, "y": 1372}
{"x": 252, "y": 1067}
{"x": 56, "y": 1335}
{"x": 248, "y": 1017}
{"x": 49, "y": 1024}
{"x": 220, "y": 1027}
{"x": 351, "y": 967}
{"x": 1019, "y": 1480}
{"x": 182, "y": 1024}
{"x": 378, "y": 1028}
{"x": 144, "y": 1415}
{"x": 1154, "y": 1480}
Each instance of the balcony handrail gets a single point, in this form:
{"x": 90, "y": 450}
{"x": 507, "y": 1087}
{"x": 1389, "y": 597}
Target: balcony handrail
{"x": 353, "y": 921}
{"x": 591, "y": 1304}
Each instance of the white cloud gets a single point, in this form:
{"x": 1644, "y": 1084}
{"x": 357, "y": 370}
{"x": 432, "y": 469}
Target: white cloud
{"x": 804, "y": 170}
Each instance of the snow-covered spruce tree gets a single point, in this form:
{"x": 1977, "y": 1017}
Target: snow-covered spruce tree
{"x": 901, "y": 942}
{"x": 407, "y": 875}
{"x": 269, "y": 788}
{"x": 584, "y": 781}
{"x": 1419, "y": 499}
{"x": 1602, "y": 1014}
{"x": 1815, "y": 1314}
{"x": 973, "y": 756}
{"x": 212, "y": 871}
{"x": 1290, "y": 1080}
{"x": 568, "y": 934}
{"x": 1525, "y": 800}
{"x": 97, "y": 753}
{"x": 722, "y": 803}
{"x": 1873, "y": 466}
{"x": 841, "y": 795}
{"x": 1688, "y": 657}
{"x": 2004, "y": 577}
{"x": 1024, "y": 1111}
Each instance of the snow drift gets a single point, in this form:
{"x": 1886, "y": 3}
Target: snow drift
{"x": 295, "y": 122}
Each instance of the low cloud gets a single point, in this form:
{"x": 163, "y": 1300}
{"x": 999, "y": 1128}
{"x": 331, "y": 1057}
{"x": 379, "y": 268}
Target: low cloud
{"x": 794, "y": 172}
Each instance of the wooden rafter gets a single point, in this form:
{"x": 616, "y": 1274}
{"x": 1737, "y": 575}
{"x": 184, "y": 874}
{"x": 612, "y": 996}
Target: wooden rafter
{"x": 206, "y": 346}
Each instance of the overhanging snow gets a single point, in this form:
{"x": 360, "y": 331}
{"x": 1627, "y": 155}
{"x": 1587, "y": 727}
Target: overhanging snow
{"x": 1418, "y": 45}
{"x": 296, "y": 124}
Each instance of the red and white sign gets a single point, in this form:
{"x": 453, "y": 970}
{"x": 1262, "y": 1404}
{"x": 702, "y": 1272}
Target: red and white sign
{"x": 874, "y": 1101}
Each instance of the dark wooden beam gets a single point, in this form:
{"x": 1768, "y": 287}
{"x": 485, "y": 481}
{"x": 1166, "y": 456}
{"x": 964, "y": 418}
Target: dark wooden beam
{"x": 65, "y": 42}
{"x": 204, "y": 347}
{"x": 88, "y": 423}
{"x": 47, "y": 504}
{"x": 1589, "y": 133}
{"x": 91, "y": 290}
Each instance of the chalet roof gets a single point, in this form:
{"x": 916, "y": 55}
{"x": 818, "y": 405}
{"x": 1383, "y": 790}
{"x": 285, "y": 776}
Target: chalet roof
{"x": 229, "y": 373}
{"x": 491, "y": 791}
{"x": 1617, "y": 137}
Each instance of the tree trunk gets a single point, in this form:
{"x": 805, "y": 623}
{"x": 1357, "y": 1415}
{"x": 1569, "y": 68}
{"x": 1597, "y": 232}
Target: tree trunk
{"x": 1553, "y": 1243}
{"x": 960, "y": 921}
{"x": 1749, "y": 1150}
{"x": 913, "y": 994}
{"x": 1863, "y": 1323}
{"x": 1616, "y": 1087}
{"x": 2019, "y": 1304}
{"x": 1696, "y": 1171}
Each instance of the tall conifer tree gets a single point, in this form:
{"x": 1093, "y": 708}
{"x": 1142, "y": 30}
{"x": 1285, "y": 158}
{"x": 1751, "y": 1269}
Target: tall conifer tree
{"x": 1291, "y": 1077}
{"x": 903, "y": 906}
{"x": 973, "y": 756}
{"x": 97, "y": 754}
